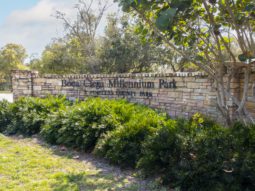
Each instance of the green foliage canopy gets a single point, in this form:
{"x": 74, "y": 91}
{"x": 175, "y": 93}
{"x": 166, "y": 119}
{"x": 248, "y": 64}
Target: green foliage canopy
{"x": 12, "y": 56}
{"x": 201, "y": 25}
{"x": 218, "y": 36}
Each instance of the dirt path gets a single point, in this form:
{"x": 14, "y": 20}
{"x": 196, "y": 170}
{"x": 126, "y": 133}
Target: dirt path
{"x": 132, "y": 181}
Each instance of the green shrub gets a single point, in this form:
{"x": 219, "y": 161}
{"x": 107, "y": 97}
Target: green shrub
{"x": 195, "y": 154}
{"x": 52, "y": 124}
{"x": 5, "y": 115}
{"x": 29, "y": 114}
{"x": 209, "y": 157}
{"x": 201, "y": 155}
{"x": 82, "y": 125}
{"x": 243, "y": 162}
{"x": 160, "y": 152}
{"x": 123, "y": 145}
{"x": 199, "y": 120}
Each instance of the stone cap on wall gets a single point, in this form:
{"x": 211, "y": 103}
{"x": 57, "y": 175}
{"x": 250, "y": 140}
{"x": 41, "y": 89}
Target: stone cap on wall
{"x": 35, "y": 74}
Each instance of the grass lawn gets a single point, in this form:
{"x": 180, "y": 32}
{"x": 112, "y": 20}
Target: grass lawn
{"x": 26, "y": 165}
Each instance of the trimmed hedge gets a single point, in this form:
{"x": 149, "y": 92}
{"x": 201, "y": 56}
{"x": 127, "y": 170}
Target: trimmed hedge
{"x": 81, "y": 125}
{"x": 123, "y": 145}
{"x": 5, "y": 115}
{"x": 27, "y": 115}
{"x": 195, "y": 154}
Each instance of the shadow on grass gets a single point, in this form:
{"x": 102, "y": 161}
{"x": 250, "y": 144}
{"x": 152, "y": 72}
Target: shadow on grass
{"x": 97, "y": 174}
{"x": 68, "y": 182}
{"x": 85, "y": 182}
{"x": 108, "y": 177}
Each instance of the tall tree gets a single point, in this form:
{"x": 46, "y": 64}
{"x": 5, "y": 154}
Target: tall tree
{"x": 62, "y": 56}
{"x": 12, "y": 56}
{"x": 203, "y": 32}
{"x": 84, "y": 28}
{"x": 123, "y": 50}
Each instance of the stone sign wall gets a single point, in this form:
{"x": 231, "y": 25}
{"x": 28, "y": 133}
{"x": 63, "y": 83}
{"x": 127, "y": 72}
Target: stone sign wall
{"x": 178, "y": 94}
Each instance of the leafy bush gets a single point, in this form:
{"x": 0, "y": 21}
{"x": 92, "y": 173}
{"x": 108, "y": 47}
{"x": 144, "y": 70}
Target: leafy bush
{"x": 201, "y": 155}
{"x": 123, "y": 145}
{"x": 5, "y": 115}
{"x": 29, "y": 114}
{"x": 243, "y": 162}
{"x": 195, "y": 154}
{"x": 209, "y": 157}
{"x": 81, "y": 125}
{"x": 160, "y": 151}
{"x": 52, "y": 124}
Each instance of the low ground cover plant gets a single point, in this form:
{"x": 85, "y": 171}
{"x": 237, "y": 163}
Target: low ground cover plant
{"x": 195, "y": 154}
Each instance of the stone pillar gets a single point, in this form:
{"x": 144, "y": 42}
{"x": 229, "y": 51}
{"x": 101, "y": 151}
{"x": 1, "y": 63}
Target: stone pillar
{"x": 235, "y": 90}
{"x": 22, "y": 83}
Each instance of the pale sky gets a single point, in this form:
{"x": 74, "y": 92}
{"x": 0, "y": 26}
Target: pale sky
{"x": 31, "y": 22}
